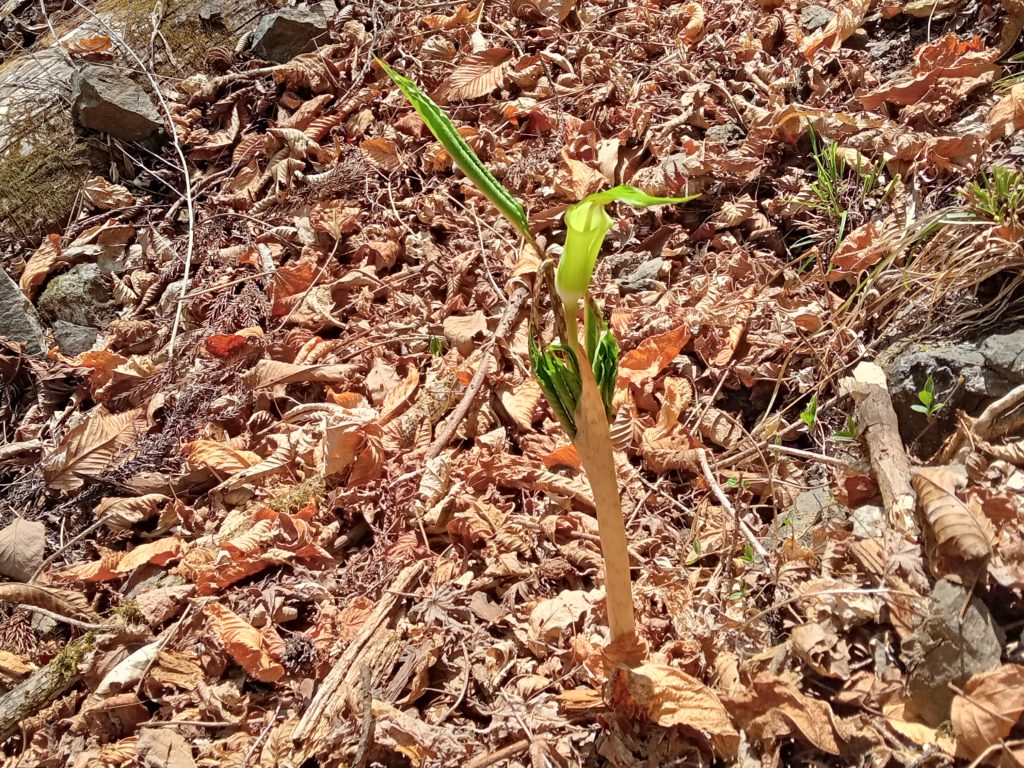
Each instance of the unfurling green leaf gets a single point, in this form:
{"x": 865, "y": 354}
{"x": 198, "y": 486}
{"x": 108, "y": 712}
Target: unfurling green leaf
{"x": 462, "y": 154}
{"x": 558, "y": 373}
{"x": 586, "y": 225}
{"x": 557, "y": 369}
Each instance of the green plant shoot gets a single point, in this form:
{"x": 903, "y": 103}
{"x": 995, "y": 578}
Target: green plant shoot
{"x": 579, "y": 392}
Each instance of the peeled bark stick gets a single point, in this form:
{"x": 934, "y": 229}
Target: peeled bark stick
{"x": 594, "y": 445}
{"x": 876, "y": 419}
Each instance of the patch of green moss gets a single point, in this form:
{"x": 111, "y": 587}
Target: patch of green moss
{"x": 295, "y": 497}
{"x": 65, "y": 664}
{"x": 129, "y": 612}
{"x": 40, "y": 179}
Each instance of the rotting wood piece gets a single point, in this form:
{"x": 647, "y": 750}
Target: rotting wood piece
{"x": 876, "y": 418}
{"x": 374, "y": 646}
{"x": 42, "y": 687}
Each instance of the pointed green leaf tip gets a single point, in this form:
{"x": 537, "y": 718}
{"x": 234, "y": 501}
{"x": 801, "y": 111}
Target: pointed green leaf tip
{"x": 462, "y": 154}
{"x": 586, "y": 224}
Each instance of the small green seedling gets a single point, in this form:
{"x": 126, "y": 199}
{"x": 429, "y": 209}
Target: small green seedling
{"x": 927, "y": 404}
{"x": 577, "y": 381}
{"x": 997, "y": 195}
{"x": 849, "y": 433}
{"x": 436, "y": 346}
{"x": 748, "y": 556}
{"x": 809, "y": 415}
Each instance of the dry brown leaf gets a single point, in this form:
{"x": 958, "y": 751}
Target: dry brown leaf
{"x": 990, "y": 706}
{"x": 159, "y": 552}
{"x": 398, "y": 397}
{"x": 1007, "y": 116}
{"x": 735, "y": 212}
{"x": 652, "y": 355}
{"x": 245, "y": 644}
{"x": 521, "y": 403}
{"x": 88, "y": 45}
{"x": 479, "y": 74}
{"x": 774, "y": 708}
{"x": 382, "y": 153}
{"x": 563, "y": 456}
{"x": 335, "y": 218}
{"x": 271, "y": 373}
{"x": 670, "y": 697}
{"x": 464, "y": 331}
{"x": 92, "y": 447}
{"x": 954, "y": 534}
{"x": 45, "y": 259}
{"x": 61, "y": 601}
{"x": 164, "y": 748}
{"x": 1012, "y": 452}
{"x": 22, "y": 544}
{"x": 849, "y": 16}
{"x": 860, "y": 250}
{"x": 551, "y": 618}
{"x": 217, "y": 457}
{"x": 107, "y": 196}
{"x": 574, "y": 180}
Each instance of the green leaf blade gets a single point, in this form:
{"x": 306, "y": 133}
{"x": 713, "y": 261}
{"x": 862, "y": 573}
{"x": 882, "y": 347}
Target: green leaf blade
{"x": 462, "y": 154}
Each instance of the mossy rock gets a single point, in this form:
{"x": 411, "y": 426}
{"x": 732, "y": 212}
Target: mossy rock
{"x": 81, "y": 296}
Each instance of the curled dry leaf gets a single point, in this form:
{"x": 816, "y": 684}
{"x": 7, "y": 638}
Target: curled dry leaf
{"x": 848, "y": 18}
{"x": 22, "y": 544}
{"x": 861, "y": 249}
{"x": 735, "y": 212}
{"x": 217, "y": 457}
{"x": 1007, "y": 116}
{"x": 479, "y": 74}
{"x": 774, "y": 708}
{"x": 551, "y": 618}
{"x": 653, "y": 355}
{"x": 45, "y": 259}
{"x": 245, "y": 644}
{"x": 954, "y": 534}
{"x": 61, "y": 601}
{"x": 670, "y": 697}
{"x": 989, "y": 707}
{"x": 107, "y": 196}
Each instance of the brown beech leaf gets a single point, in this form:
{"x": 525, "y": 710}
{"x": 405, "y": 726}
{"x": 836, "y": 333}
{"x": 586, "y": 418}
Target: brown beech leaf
{"x": 62, "y": 601}
{"x": 954, "y": 534}
{"x": 244, "y": 643}
{"x": 653, "y": 355}
{"x": 990, "y": 706}
{"x": 44, "y": 260}
{"x": 463, "y": 331}
{"x": 521, "y": 402}
{"x": 734, "y": 212}
{"x": 774, "y": 708}
{"x": 107, "y": 196}
{"x": 159, "y": 552}
{"x": 88, "y": 45}
{"x": 335, "y": 218}
{"x": 382, "y": 153}
{"x": 477, "y": 75}
{"x": 860, "y": 250}
{"x": 92, "y": 447}
{"x": 270, "y": 373}
{"x": 1007, "y": 116}
{"x": 574, "y": 180}
{"x": 848, "y": 18}
{"x": 22, "y": 544}
{"x": 670, "y": 697}
{"x": 218, "y": 457}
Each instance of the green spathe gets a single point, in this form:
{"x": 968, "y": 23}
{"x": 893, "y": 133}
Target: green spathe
{"x": 586, "y": 225}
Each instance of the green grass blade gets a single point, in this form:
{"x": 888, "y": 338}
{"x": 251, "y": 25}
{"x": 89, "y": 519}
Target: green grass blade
{"x": 462, "y": 154}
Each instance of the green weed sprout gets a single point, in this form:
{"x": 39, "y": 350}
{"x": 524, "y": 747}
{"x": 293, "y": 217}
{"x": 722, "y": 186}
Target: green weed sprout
{"x": 927, "y": 404}
{"x": 577, "y": 381}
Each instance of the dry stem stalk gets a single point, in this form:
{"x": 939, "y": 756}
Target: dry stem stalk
{"x": 594, "y": 445}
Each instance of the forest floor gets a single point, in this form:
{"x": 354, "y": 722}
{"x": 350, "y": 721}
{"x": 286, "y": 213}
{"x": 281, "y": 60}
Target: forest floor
{"x": 265, "y": 520}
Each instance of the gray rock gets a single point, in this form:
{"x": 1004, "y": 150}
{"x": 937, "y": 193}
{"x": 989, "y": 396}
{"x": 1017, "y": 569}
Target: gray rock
{"x": 1005, "y": 353}
{"x": 18, "y": 319}
{"x": 814, "y": 17}
{"x": 944, "y": 649}
{"x": 104, "y": 100}
{"x": 868, "y": 521}
{"x": 81, "y": 296}
{"x": 724, "y": 133}
{"x": 289, "y": 32}
{"x": 73, "y": 339}
{"x": 809, "y": 509}
{"x": 645, "y": 277}
{"x": 989, "y": 368}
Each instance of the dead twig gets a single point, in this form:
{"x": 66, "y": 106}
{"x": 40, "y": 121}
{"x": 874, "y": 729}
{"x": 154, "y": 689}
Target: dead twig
{"x": 724, "y": 501}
